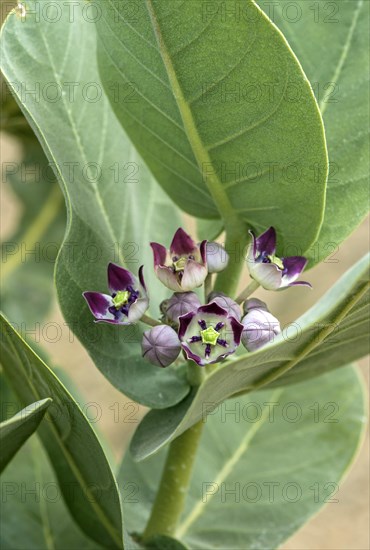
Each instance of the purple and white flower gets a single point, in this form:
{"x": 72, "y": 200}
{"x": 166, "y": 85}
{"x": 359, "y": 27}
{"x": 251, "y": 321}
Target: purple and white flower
{"x": 184, "y": 266}
{"x": 161, "y": 345}
{"x": 270, "y": 271}
{"x": 128, "y": 299}
{"x": 209, "y": 334}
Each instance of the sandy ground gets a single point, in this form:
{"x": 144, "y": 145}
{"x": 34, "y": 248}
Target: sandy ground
{"x": 341, "y": 526}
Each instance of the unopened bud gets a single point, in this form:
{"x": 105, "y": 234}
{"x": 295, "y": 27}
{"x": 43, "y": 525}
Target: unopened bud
{"x": 180, "y": 304}
{"x": 260, "y": 328}
{"x": 254, "y": 303}
{"x": 232, "y": 308}
{"x": 160, "y": 345}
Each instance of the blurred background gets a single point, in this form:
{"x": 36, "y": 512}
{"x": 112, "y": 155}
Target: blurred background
{"x": 32, "y": 228}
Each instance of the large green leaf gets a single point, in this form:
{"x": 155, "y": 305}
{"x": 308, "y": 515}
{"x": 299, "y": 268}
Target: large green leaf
{"x": 33, "y": 514}
{"x": 83, "y": 472}
{"x": 329, "y": 335}
{"x": 336, "y": 70}
{"x": 266, "y": 464}
{"x": 115, "y": 208}
{"x": 216, "y": 151}
{"x": 15, "y": 431}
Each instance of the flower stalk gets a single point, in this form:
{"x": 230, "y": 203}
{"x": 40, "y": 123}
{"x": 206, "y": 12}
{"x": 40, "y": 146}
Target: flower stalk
{"x": 252, "y": 287}
{"x": 150, "y": 321}
{"x": 207, "y": 286}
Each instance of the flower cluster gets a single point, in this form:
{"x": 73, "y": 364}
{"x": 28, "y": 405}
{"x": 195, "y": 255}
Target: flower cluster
{"x": 203, "y": 333}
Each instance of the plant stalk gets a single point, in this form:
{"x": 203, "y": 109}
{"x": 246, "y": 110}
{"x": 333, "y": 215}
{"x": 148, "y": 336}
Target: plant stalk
{"x": 170, "y": 500}
{"x": 236, "y": 240}
{"x": 207, "y": 286}
{"x": 252, "y": 287}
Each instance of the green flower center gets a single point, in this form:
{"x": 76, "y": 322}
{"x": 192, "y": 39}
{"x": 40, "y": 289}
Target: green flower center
{"x": 209, "y": 336}
{"x": 180, "y": 264}
{"x": 121, "y": 298}
{"x": 276, "y": 261}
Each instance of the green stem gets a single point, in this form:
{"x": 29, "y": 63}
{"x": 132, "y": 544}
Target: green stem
{"x": 252, "y": 287}
{"x": 170, "y": 499}
{"x": 196, "y": 374}
{"x": 207, "y": 286}
{"x": 150, "y": 321}
{"x": 236, "y": 240}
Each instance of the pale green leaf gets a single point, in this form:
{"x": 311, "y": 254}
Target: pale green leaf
{"x": 330, "y": 40}
{"x": 115, "y": 208}
{"x": 15, "y": 431}
{"x": 83, "y": 472}
{"x": 217, "y": 152}
{"x": 267, "y": 463}
{"x": 209, "y": 230}
{"x": 33, "y": 514}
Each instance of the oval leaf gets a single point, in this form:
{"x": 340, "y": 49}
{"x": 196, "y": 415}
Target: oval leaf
{"x": 115, "y": 207}
{"x": 341, "y": 85}
{"x": 216, "y": 150}
{"x": 267, "y": 463}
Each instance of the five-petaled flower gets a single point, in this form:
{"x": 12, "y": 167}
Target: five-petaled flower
{"x": 184, "y": 266}
{"x": 270, "y": 271}
{"x": 128, "y": 300}
{"x": 209, "y": 334}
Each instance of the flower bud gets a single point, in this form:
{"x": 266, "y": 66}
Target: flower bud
{"x": 160, "y": 345}
{"x": 217, "y": 257}
{"x": 260, "y": 328}
{"x": 254, "y": 303}
{"x": 232, "y": 308}
{"x": 179, "y": 304}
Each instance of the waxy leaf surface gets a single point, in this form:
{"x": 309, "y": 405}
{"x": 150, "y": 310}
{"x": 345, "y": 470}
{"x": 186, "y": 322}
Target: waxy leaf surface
{"x": 266, "y": 464}
{"x": 83, "y": 472}
{"x": 114, "y": 206}
{"x": 225, "y": 117}
{"x": 330, "y": 40}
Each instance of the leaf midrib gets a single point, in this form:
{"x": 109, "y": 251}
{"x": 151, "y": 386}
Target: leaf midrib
{"x": 81, "y": 147}
{"x": 202, "y": 157}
